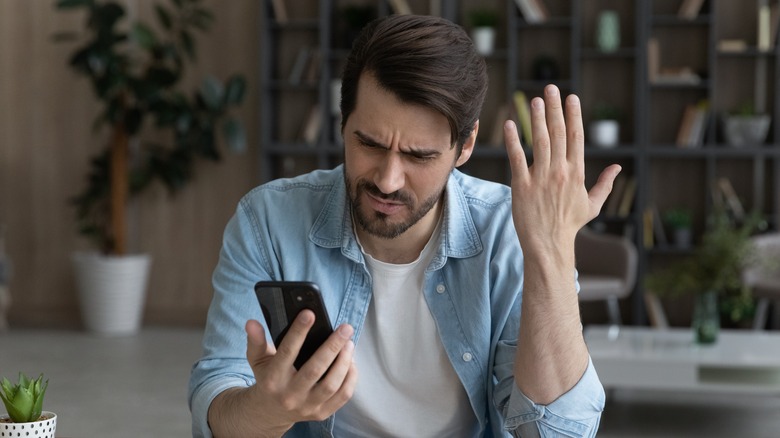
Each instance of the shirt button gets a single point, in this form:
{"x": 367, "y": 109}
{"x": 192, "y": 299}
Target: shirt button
{"x": 440, "y": 288}
{"x": 467, "y": 357}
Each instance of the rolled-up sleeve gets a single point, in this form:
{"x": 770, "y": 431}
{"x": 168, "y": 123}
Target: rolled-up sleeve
{"x": 574, "y": 414}
{"x": 202, "y": 396}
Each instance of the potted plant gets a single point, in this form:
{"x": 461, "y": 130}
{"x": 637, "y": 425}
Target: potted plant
{"x": 745, "y": 126}
{"x": 679, "y": 221}
{"x": 135, "y": 70}
{"x": 483, "y": 23}
{"x": 605, "y": 126}
{"x": 713, "y": 275}
{"x": 24, "y": 406}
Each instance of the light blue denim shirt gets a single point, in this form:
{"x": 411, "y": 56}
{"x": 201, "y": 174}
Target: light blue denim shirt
{"x": 301, "y": 229}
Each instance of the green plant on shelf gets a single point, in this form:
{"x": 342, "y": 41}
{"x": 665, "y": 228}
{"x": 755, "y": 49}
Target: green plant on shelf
{"x": 678, "y": 218}
{"x": 715, "y": 266}
{"x": 483, "y": 17}
{"x": 606, "y": 111}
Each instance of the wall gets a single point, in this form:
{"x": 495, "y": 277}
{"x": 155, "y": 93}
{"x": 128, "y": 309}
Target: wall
{"x": 46, "y": 139}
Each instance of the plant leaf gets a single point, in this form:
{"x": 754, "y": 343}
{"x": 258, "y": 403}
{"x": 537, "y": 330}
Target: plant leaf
{"x": 234, "y": 92}
{"x": 212, "y": 91}
{"x": 235, "y": 135}
{"x": 144, "y": 36}
{"x": 164, "y": 17}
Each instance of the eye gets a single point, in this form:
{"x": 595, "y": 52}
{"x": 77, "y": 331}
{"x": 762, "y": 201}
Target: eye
{"x": 422, "y": 158}
{"x": 369, "y": 145}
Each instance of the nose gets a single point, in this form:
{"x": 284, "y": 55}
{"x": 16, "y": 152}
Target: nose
{"x": 389, "y": 176}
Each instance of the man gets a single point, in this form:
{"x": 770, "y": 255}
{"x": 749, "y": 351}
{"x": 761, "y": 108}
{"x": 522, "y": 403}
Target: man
{"x": 454, "y": 329}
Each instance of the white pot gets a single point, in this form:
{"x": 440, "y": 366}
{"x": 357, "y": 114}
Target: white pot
{"x": 112, "y": 291}
{"x": 484, "y": 39}
{"x": 746, "y": 130}
{"x": 45, "y": 428}
{"x": 604, "y": 133}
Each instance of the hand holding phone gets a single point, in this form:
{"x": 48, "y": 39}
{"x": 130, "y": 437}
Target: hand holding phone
{"x": 282, "y": 301}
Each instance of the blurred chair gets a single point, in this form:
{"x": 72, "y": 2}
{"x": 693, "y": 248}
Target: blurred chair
{"x": 607, "y": 266}
{"x": 763, "y": 276}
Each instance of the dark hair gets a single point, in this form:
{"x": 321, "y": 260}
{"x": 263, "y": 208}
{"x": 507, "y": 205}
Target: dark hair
{"x": 424, "y": 60}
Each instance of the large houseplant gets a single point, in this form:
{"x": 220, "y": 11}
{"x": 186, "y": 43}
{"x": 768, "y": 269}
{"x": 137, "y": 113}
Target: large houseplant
{"x": 135, "y": 70}
{"x": 713, "y": 274}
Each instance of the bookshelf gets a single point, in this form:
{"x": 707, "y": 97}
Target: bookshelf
{"x": 664, "y": 63}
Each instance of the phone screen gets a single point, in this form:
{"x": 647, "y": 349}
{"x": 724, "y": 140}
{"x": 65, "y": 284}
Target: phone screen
{"x": 281, "y": 301}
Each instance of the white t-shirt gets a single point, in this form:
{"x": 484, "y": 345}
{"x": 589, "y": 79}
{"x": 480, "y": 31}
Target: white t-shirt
{"x": 406, "y": 385}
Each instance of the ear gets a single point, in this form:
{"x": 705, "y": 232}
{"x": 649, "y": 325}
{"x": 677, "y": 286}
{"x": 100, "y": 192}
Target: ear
{"x": 468, "y": 146}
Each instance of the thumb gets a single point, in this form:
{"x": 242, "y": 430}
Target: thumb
{"x": 257, "y": 347}
{"x": 599, "y": 192}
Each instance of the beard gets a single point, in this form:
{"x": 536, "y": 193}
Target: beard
{"x": 377, "y": 223}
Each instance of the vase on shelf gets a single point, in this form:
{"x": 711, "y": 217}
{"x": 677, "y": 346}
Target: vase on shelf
{"x": 608, "y": 31}
{"x": 706, "y": 318}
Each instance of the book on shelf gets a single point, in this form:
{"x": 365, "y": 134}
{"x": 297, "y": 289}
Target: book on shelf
{"x": 313, "y": 65}
{"x": 659, "y": 234}
{"x": 735, "y": 45}
{"x": 647, "y": 228}
{"x": 502, "y": 115}
{"x": 730, "y": 198}
{"x": 774, "y": 24}
{"x": 689, "y": 9}
{"x": 280, "y": 11}
{"x": 627, "y": 197}
{"x": 763, "y": 37}
{"x": 299, "y": 65}
{"x": 310, "y": 131}
{"x": 677, "y": 76}
{"x": 533, "y": 11}
{"x": 401, "y": 7}
{"x": 657, "y": 74}
{"x": 693, "y": 125}
{"x": 523, "y": 110}
{"x": 653, "y": 59}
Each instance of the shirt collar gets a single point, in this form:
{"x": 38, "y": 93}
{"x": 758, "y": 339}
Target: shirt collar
{"x": 333, "y": 227}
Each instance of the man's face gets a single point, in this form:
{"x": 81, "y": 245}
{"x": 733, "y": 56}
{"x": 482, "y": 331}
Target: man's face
{"x": 397, "y": 160}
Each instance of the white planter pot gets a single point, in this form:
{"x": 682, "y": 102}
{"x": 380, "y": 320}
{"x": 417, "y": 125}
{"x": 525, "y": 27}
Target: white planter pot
{"x": 746, "y": 130}
{"x": 45, "y": 428}
{"x": 604, "y": 133}
{"x": 112, "y": 291}
{"x": 484, "y": 39}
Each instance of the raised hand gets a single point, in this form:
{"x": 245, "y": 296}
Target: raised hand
{"x": 549, "y": 199}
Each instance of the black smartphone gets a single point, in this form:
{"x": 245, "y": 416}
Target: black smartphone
{"x": 281, "y": 301}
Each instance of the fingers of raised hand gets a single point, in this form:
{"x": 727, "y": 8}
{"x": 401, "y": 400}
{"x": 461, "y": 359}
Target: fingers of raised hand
{"x": 517, "y": 161}
{"x": 575, "y": 133}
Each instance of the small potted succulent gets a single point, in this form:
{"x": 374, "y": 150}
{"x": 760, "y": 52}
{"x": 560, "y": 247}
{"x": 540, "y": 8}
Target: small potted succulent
{"x": 745, "y": 126}
{"x": 680, "y": 221}
{"x": 24, "y": 404}
{"x": 483, "y": 29}
{"x": 605, "y": 126}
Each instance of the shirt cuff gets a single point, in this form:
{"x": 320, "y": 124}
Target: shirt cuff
{"x": 578, "y": 410}
{"x": 202, "y": 398}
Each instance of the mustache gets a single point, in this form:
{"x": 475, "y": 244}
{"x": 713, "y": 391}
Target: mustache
{"x": 397, "y": 196}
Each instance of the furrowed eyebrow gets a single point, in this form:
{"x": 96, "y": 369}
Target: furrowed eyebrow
{"x": 414, "y": 151}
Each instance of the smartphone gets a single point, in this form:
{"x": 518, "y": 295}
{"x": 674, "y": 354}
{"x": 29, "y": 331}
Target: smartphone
{"x": 281, "y": 301}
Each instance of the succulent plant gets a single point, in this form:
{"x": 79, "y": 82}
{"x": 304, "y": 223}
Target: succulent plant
{"x": 24, "y": 401}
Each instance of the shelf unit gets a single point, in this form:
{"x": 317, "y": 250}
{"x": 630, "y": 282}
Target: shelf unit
{"x": 667, "y": 176}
